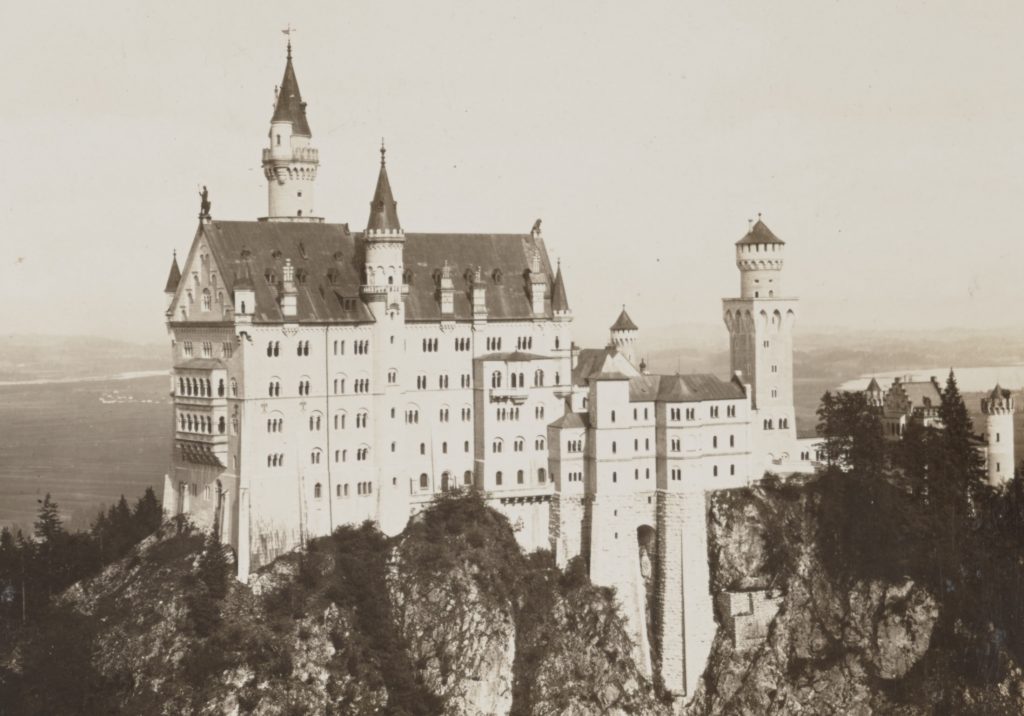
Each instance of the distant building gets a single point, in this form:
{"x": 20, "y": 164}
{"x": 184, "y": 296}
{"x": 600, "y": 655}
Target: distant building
{"x": 998, "y": 408}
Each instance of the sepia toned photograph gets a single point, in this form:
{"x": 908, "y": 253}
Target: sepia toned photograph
{"x": 511, "y": 359}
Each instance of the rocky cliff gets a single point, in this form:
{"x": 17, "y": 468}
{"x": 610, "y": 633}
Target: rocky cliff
{"x": 450, "y": 617}
{"x": 839, "y": 644}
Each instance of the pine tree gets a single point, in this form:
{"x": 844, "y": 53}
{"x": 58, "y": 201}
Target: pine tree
{"x": 48, "y": 527}
{"x": 964, "y": 470}
{"x": 147, "y": 514}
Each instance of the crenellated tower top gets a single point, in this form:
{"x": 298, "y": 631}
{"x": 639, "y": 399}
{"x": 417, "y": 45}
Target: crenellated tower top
{"x": 759, "y": 257}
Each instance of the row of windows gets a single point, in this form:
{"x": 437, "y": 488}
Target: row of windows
{"x": 189, "y": 423}
{"x": 444, "y": 447}
{"x": 518, "y": 380}
{"x": 524, "y": 343}
{"x": 518, "y": 445}
{"x": 575, "y": 477}
{"x": 770, "y": 424}
{"x": 201, "y": 387}
{"x": 574, "y": 446}
{"x": 275, "y": 459}
{"x": 467, "y": 479}
{"x": 362, "y": 488}
{"x": 542, "y": 477}
{"x": 674, "y": 474}
{"x": 691, "y": 413}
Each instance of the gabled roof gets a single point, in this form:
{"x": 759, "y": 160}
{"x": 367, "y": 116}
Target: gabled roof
{"x": 572, "y": 420}
{"x": 383, "y": 207}
{"x": 290, "y": 107}
{"x": 760, "y": 234}
{"x": 559, "y": 301}
{"x": 329, "y": 259}
{"x": 919, "y": 393}
{"x": 592, "y": 362}
{"x": 624, "y": 322}
{"x": 683, "y": 388}
{"x": 174, "y": 277}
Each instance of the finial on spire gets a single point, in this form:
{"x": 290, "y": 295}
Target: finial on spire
{"x": 288, "y": 31}
{"x": 750, "y": 224}
{"x": 383, "y": 151}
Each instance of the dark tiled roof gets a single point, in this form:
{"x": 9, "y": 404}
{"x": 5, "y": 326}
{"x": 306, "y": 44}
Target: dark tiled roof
{"x": 873, "y": 386}
{"x": 682, "y": 388}
{"x": 559, "y": 301}
{"x": 290, "y": 107}
{"x": 920, "y": 394}
{"x": 329, "y": 260}
{"x": 999, "y": 393}
{"x": 624, "y": 322}
{"x": 760, "y": 234}
{"x": 572, "y": 420}
{"x": 383, "y": 207}
{"x": 174, "y": 277}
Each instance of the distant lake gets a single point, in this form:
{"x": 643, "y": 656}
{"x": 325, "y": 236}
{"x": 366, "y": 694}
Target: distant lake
{"x": 85, "y": 441}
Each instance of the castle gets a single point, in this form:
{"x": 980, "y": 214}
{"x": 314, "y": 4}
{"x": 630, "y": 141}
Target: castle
{"x": 324, "y": 376}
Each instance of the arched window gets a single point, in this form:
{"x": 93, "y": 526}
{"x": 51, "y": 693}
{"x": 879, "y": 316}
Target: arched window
{"x": 424, "y": 481}
{"x": 207, "y": 300}
{"x": 520, "y": 477}
{"x": 497, "y": 478}
{"x": 317, "y": 491}
{"x": 221, "y": 425}
{"x": 538, "y": 378}
{"x": 467, "y": 477}
{"x": 542, "y": 475}
{"x": 496, "y": 380}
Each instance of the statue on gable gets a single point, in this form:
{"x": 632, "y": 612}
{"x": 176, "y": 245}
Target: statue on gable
{"x": 204, "y": 203}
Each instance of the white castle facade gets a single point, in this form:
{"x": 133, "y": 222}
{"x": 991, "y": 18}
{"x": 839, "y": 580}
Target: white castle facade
{"x": 324, "y": 377}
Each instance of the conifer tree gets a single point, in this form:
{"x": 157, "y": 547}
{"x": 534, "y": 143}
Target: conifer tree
{"x": 48, "y": 527}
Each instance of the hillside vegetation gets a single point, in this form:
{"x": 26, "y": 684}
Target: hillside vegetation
{"x": 449, "y": 617}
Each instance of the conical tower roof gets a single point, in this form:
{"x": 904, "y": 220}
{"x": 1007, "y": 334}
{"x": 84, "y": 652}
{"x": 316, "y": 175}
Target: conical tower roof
{"x": 174, "y": 277}
{"x": 624, "y": 322}
{"x": 874, "y": 387}
{"x": 559, "y": 301}
{"x": 383, "y": 207}
{"x": 290, "y": 107}
{"x": 760, "y": 234}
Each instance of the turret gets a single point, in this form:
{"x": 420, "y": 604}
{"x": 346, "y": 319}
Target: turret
{"x": 998, "y": 408}
{"x": 290, "y": 163}
{"x": 874, "y": 395}
{"x": 244, "y": 292}
{"x": 759, "y": 256}
{"x": 624, "y": 334}
{"x": 559, "y": 299}
{"x": 385, "y": 244}
{"x": 173, "y": 279}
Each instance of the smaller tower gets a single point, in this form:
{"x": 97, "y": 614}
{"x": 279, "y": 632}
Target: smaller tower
{"x": 998, "y": 408}
{"x": 173, "y": 279}
{"x": 874, "y": 395}
{"x": 290, "y": 162}
{"x": 559, "y": 299}
{"x": 624, "y": 334}
{"x": 384, "y": 287}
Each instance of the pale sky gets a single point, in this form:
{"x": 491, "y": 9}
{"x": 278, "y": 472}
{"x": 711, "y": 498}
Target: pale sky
{"x": 882, "y": 142}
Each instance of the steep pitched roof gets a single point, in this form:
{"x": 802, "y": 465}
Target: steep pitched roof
{"x": 329, "y": 260}
{"x": 873, "y": 387}
{"x": 624, "y": 322}
{"x": 383, "y": 207}
{"x": 920, "y": 393}
{"x": 559, "y": 301}
{"x": 290, "y": 107}
{"x": 999, "y": 393}
{"x": 174, "y": 277}
{"x": 760, "y": 234}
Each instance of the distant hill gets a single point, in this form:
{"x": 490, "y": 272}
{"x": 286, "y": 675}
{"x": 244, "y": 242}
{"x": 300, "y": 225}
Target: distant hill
{"x": 36, "y": 357}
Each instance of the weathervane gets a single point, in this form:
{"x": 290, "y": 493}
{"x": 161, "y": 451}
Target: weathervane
{"x": 288, "y": 31}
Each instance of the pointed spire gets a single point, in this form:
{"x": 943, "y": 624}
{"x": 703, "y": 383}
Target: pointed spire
{"x": 759, "y": 233}
{"x": 290, "y": 107}
{"x": 624, "y": 322}
{"x": 174, "y": 277}
{"x": 559, "y": 301}
{"x": 383, "y": 207}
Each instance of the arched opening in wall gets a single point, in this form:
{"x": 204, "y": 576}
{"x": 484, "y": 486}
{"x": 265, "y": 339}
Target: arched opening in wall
{"x": 647, "y": 554}
{"x": 446, "y": 481}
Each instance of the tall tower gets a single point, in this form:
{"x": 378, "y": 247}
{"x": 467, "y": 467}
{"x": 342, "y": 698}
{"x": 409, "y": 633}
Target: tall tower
{"x": 760, "y": 324}
{"x": 998, "y": 409}
{"x": 290, "y": 162}
{"x": 624, "y": 334}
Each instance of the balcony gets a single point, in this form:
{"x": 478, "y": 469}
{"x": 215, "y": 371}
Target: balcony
{"x": 517, "y": 396}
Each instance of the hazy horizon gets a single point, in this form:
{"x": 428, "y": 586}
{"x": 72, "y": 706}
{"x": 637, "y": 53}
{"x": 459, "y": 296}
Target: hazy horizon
{"x": 644, "y": 136}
